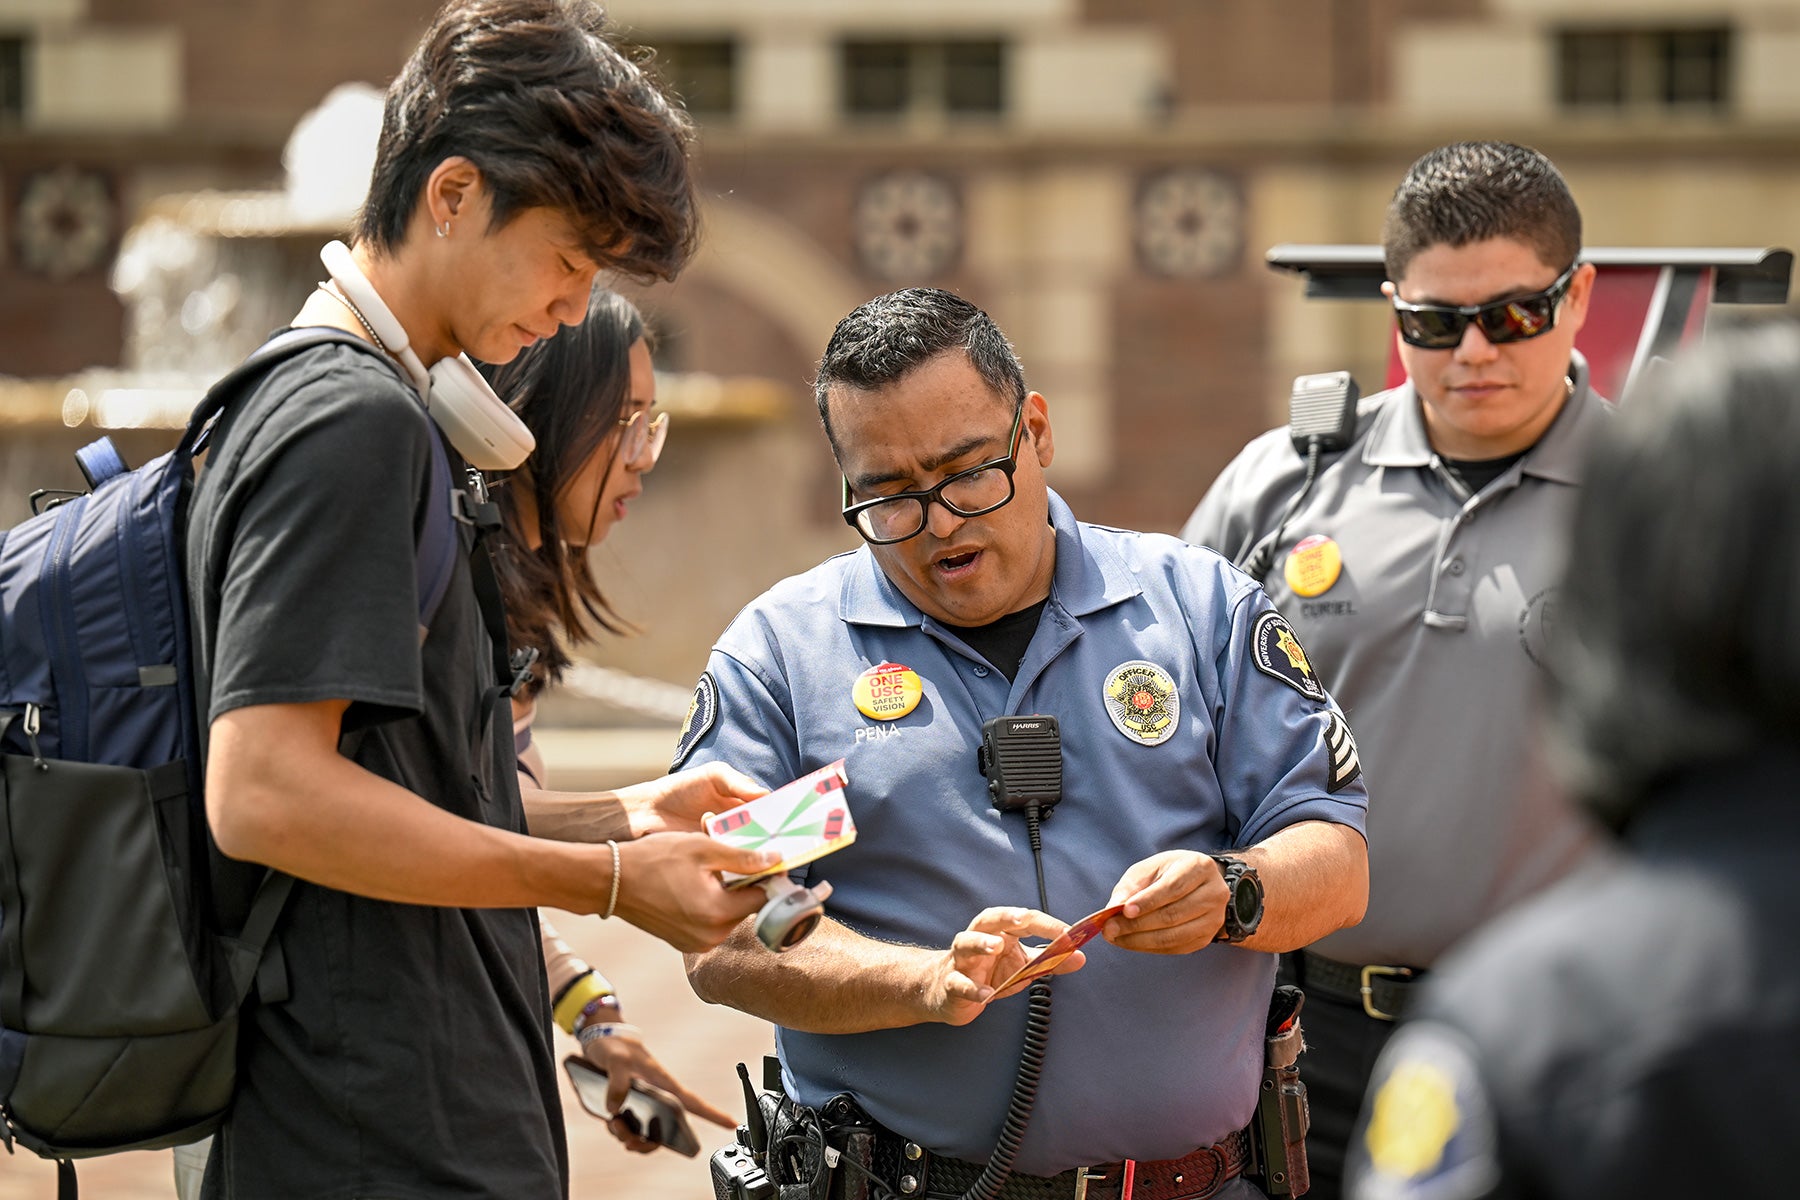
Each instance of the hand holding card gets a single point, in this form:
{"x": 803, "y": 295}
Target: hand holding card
{"x": 1052, "y": 956}
{"x": 802, "y": 820}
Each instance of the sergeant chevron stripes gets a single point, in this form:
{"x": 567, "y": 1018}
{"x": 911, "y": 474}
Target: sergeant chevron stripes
{"x": 1345, "y": 765}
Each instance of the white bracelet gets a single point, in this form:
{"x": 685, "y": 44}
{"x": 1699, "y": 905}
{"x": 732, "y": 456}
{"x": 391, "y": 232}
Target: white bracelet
{"x": 589, "y": 1033}
{"x": 612, "y": 901}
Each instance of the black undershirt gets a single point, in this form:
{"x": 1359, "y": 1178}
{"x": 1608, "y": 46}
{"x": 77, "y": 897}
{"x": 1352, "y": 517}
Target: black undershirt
{"x": 1003, "y": 643}
{"x": 1477, "y": 473}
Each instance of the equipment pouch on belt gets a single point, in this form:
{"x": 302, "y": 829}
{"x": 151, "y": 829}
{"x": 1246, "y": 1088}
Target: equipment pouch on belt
{"x": 1278, "y": 1132}
{"x": 788, "y": 1151}
{"x": 799, "y": 1160}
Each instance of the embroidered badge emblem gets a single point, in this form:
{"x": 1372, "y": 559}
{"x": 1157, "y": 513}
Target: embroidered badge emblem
{"x": 1414, "y": 1118}
{"x": 701, "y": 713}
{"x": 1142, "y": 701}
{"x": 1313, "y": 566}
{"x": 1278, "y": 655}
{"x": 887, "y": 691}
{"x": 1430, "y": 1132}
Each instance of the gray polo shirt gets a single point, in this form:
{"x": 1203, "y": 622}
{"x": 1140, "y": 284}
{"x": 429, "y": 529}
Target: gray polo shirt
{"x": 1432, "y": 634}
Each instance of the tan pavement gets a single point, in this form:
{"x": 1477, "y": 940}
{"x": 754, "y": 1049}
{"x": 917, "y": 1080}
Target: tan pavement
{"x": 701, "y": 1044}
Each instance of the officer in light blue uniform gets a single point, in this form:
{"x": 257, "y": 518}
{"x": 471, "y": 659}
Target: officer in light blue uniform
{"x": 1192, "y": 724}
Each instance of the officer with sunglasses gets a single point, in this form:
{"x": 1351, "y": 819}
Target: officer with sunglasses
{"x": 1420, "y": 570}
{"x": 1191, "y": 727}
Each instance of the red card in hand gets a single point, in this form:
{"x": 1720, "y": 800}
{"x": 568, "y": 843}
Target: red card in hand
{"x": 1068, "y": 942}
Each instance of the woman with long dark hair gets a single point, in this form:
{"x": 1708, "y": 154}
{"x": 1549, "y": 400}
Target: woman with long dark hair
{"x": 587, "y": 395}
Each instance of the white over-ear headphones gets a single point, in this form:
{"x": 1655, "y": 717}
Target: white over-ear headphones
{"x": 484, "y": 431}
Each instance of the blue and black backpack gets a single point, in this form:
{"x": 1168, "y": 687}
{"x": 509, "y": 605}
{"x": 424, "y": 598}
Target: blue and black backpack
{"x": 119, "y": 999}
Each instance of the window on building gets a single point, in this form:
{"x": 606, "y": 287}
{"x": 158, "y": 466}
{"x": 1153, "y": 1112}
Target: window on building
{"x": 12, "y": 80}
{"x": 703, "y": 72}
{"x": 1645, "y": 68}
{"x": 962, "y": 79}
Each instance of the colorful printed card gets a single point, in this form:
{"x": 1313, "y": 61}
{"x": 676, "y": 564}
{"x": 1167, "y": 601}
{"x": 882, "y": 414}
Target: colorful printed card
{"x": 1068, "y": 942}
{"x": 806, "y": 819}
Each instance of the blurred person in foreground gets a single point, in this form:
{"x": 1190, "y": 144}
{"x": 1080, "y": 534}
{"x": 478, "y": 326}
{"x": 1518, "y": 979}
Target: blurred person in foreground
{"x": 1419, "y": 571}
{"x": 588, "y": 395}
{"x": 1210, "y": 788}
{"x": 1633, "y": 1032}
{"x": 409, "y": 1053}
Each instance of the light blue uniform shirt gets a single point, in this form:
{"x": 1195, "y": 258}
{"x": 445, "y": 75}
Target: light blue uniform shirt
{"x": 1150, "y": 1056}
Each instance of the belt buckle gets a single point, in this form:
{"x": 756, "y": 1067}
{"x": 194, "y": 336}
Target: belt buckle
{"x": 1368, "y": 989}
{"x": 1087, "y": 1175}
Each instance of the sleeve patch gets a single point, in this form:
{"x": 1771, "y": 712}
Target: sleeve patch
{"x": 1428, "y": 1131}
{"x": 702, "y": 714}
{"x": 1277, "y": 654}
{"x": 1346, "y": 766}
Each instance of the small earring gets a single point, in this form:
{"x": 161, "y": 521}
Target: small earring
{"x": 444, "y": 229}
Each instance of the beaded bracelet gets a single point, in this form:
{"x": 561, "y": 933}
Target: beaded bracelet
{"x": 600, "y": 1010}
{"x": 612, "y": 901}
{"x": 606, "y": 1029}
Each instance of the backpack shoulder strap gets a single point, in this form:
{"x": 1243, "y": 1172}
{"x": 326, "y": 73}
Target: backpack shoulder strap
{"x": 437, "y": 542}
{"x": 434, "y": 564}
{"x": 265, "y": 357}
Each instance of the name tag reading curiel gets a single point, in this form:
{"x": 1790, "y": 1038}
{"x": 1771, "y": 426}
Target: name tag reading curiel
{"x": 803, "y": 820}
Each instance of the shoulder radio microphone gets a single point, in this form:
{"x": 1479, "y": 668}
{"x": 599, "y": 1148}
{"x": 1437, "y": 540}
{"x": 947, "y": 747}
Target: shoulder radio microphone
{"x": 478, "y": 423}
{"x": 1022, "y": 759}
{"x": 1321, "y": 420}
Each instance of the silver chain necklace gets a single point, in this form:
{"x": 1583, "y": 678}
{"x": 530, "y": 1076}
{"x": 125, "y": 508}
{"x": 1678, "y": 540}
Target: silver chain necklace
{"x": 331, "y": 289}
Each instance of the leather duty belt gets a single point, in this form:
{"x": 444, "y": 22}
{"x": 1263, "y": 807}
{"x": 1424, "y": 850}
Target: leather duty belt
{"x": 1196, "y": 1176}
{"x": 1381, "y": 991}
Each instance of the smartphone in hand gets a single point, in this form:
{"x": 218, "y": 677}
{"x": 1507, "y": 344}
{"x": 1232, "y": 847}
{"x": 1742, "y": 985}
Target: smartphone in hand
{"x": 652, "y": 1113}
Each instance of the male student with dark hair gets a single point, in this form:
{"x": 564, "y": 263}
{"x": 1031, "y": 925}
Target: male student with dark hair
{"x": 411, "y": 1055}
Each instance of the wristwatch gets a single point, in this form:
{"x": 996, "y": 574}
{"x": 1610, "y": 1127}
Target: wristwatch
{"x": 1244, "y": 901}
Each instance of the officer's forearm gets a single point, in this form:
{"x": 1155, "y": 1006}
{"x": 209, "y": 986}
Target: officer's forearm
{"x": 573, "y": 816}
{"x": 837, "y": 981}
{"x": 1315, "y": 878}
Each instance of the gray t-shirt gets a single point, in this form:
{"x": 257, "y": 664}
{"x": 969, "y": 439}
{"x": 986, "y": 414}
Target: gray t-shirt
{"x": 413, "y": 1056}
{"x": 1429, "y": 613}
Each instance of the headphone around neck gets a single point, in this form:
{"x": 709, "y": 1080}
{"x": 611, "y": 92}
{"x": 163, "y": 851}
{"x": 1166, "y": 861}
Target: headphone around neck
{"x": 478, "y": 423}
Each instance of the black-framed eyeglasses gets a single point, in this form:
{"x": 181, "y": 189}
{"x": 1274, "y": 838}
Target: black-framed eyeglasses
{"x": 980, "y": 489}
{"x": 1441, "y": 326}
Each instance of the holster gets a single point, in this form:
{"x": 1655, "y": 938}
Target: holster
{"x": 1278, "y": 1141}
{"x": 850, "y": 1132}
{"x": 814, "y": 1154}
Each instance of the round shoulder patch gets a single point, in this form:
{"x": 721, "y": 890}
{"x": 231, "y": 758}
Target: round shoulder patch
{"x": 1428, "y": 1131}
{"x": 1142, "y": 701}
{"x": 1278, "y": 655}
{"x": 702, "y": 712}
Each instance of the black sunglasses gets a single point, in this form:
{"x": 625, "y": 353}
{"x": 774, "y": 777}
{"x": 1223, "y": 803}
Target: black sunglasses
{"x": 1441, "y": 326}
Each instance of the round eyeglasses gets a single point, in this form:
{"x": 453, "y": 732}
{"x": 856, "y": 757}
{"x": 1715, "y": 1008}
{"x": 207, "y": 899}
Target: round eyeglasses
{"x": 971, "y": 493}
{"x": 638, "y": 435}
{"x": 1441, "y": 326}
